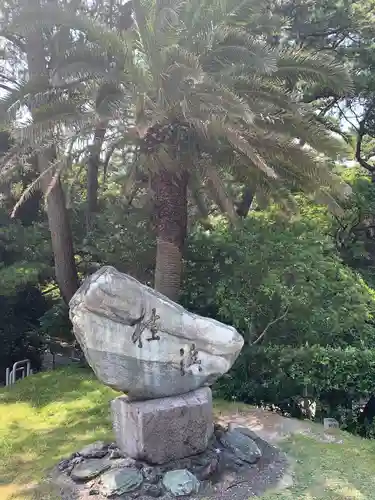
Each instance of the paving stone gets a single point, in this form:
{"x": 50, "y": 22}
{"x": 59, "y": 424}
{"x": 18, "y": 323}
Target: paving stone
{"x": 120, "y": 481}
{"x": 88, "y": 469}
{"x": 242, "y": 446}
{"x": 153, "y": 490}
{"x": 94, "y": 450}
{"x": 181, "y": 482}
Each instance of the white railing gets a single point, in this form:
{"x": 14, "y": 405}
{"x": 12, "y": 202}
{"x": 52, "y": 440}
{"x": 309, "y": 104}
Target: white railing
{"x": 22, "y": 368}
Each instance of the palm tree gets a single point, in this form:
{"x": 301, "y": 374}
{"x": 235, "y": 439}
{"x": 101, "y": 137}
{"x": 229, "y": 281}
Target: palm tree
{"x": 211, "y": 100}
{"x": 31, "y": 53}
{"x": 56, "y": 112}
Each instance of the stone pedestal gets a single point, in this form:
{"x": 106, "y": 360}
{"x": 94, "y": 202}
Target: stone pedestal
{"x": 160, "y": 430}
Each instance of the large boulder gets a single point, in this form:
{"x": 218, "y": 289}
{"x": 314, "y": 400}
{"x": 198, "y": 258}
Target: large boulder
{"x": 140, "y": 342}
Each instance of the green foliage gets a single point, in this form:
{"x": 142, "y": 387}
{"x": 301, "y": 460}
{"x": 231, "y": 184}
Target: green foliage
{"x": 129, "y": 245}
{"x": 24, "y": 256}
{"x": 33, "y": 424}
{"x": 354, "y": 231}
{"x": 284, "y": 274}
{"x": 336, "y": 377}
{"x": 18, "y": 275}
{"x": 233, "y": 75}
{"x": 55, "y": 322}
{"x": 19, "y": 321}
{"x": 229, "y": 88}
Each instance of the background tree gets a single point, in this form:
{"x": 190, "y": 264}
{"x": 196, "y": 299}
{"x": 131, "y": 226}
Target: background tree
{"x": 208, "y": 103}
{"x": 290, "y": 274}
{"x": 32, "y": 49}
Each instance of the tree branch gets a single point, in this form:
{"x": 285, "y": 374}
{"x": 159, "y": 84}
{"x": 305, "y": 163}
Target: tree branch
{"x": 329, "y": 106}
{"x": 279, "y": 318}
{"x": 342, "y": 114}
{"x": 358, "y": 150}
{"x": 331, "y": 126}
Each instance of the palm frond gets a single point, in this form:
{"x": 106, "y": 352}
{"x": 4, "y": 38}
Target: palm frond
{"x": 276, "y": 192}
{"x": 301, "y": 167}
{"x": 167, "y": 19}
{"x": 197, "y": 190}
{"x": 181, "y": 69}
{"x": 233, "y": 49}
{"x": 324, "y": 197}
{"x": 51, "y": 173}
{"x": 263, "y": 96}
{"x": 12, "y": 102}
{"x": 39, "y": 133}
{"x": 52, "y": 14}
{"x": 128, "y": 179}
{"x": 239, "y": 142}
{"x": 305, "y": 128}
{"x": 210, "y": 99}
{"x": 315, "y": 68}
{"x": 220, "y": 194}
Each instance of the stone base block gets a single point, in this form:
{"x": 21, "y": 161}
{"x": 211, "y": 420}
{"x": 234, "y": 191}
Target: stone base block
{"x": 160, "y": 430}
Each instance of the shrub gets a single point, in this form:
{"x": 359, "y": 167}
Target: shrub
{"x": 19, "y": 320}
{"x": 337, "y": 378}
{"x": 129, "y": 245}
{"x": 284, "y": 274}
{"x": 56, "y": 323}
{"x": 25, "y": 261}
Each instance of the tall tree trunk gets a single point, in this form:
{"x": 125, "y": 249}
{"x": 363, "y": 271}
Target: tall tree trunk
{"x": 58, "y": 218}
{"x": 61, "y": 233}
{"x": 93, "y": 172}
{"x": 171, "y": 219}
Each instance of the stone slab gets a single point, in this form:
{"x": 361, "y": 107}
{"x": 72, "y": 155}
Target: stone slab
{"x": 181, "y": 483}
{"x": 119, "y": 481}
{"x": 160, "y": 430}
{"x": 94, "y": 450}
{"x": 89, "y": 469}
{"x": 242, "y": 446}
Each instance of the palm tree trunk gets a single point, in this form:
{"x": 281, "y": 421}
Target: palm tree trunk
{"x": 61, "y": 233}
{"x": 171, "y": 220}
{"x": 58, "y": 218}
{"x": 93, "y": 172}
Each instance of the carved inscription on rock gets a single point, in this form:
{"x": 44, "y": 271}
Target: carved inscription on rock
{"x": 141, "y": 326}
{"x": 190, "y": 359}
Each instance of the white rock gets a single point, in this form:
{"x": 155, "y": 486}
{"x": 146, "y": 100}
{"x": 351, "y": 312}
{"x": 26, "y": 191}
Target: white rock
{"x": 140, "y": 342}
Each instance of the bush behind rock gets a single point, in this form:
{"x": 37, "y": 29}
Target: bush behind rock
{"x": 338, "y": 378}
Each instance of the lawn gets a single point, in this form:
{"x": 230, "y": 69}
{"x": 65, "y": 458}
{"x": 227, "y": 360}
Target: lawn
{"x": 50, "y": 415}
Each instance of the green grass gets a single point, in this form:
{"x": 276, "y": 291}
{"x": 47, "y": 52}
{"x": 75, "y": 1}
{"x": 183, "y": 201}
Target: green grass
{"x": 44, "y": 418}
{"x": 48, "y": 416}
{"x": 330, "y": 471}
